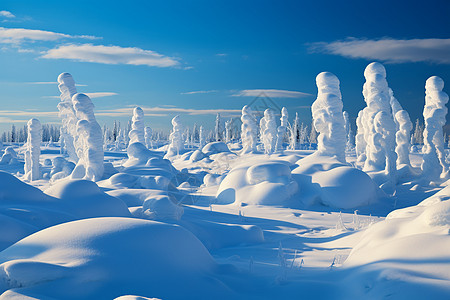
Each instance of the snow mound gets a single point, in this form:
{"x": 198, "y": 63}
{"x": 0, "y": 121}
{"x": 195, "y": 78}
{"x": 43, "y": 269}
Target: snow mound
{"x": 138, "y": 154}
{"x": 9, "y": 156}
{"x": 265, "y": 183}
{"x": 215, "y": 147}
{"x": 328, "y": 181}
{"x": 410, "y": 247}
{"x": 345, "y": 187}
{"x": 161, "y": 208}
{"x": 84, "y": 199}
{"x": 125, "y": 180}
{"x": 13, "y": 190}
{"x": 111, "y": 257}
{"x": 197, "y": 155}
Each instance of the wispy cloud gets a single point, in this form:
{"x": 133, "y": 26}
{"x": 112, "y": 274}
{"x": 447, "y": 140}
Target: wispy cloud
{"x": 111, "y": 55}
{"x": 101, "y": 94}
{"x": 198, "y": 92}
{"x": 389, "y": 50}
{"x": 91, "y": 95}
{"x": 222, "y": 54}
{"x": 271, "y": 93}
{"x": 6, "y": 14}
{"x": 28, "y": 113}
{"x": 19, "y": 35}
{"x": 165, "y": 111}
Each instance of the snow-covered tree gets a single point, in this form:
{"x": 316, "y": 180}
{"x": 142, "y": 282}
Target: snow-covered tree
{"x": 33, "y": 150}
{"x": 148, "y": 137}
{"x": 90, "y": 164}
{"x": 249, "y": 129}
{"x": 402, "y": 137}
{"x": 328, "y": 118}
{"x": 282, "y": 129}
{"x": 137, "y": 134}
{"x": 434, "y": 114}
{"x": 228, "y": 131}
{"x": 294, "y": 133}
{"x": 201, "y": 137}
{"x": 176, "y": 137}
{"x": 348, "y": 132}
{"x": 67, "y": 114}
{"x": 268, "y": 129}
{"x": 378, "y": 121}
{"x": 217, "y": 128}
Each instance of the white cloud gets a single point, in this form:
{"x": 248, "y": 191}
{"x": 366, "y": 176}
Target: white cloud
{"x": 28, "y": 113}
{"x": 6, "y": 14}
{"x": 101, "y": 94}
{"x": 198, "y": 92}
{"x": 165, "y": 111}
{"x": 389, "y": 50}
{"x": 222, "y": 54}
{"x": 111, "y": 55}
{"x": 271, "y": 93}
{"x": 19, "y": 35}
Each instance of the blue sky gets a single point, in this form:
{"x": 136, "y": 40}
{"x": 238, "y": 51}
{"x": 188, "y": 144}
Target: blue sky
{"x": 196, "y": 58}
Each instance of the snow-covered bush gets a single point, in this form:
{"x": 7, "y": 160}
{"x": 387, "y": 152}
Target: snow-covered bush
{"x": 434, "y": 114}
{"x": 137, "y": 134}
{"x": 176, "y": 145}
{"x": 33, "y": 150}
{"x": 268, "y": 130}
{"x": 9, "y": 156}
{"x": 90, "y": 164}
{"x": 328, "y": 118}
{"x": 378, "y": 122}
{"x": 249, "y": 130}
{"x": 282, "y": 128}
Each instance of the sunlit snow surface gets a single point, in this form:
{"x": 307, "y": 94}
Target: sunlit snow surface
{"x": 211, "y": 224}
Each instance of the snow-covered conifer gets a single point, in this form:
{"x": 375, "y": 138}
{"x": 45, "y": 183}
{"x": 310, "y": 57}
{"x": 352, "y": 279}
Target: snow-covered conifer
{"x": 137, "y": 134}
{"x": 249, "y": 130}
{"x": 67, "y": 114}
{"x": 176, "y": 137}
{"x": 228, "y": 131}
{"x": 294, "y": 133}
{"x": 201, "y": 137}
{"x": 379, "y": 123}
{"x": 148, "y": 137}
{"x": 403, "y": 137}
{"x": 282, "y": 128}
{"x": 360, "y": 141}
{"x": 268, "y": 129}
{"x": 33, "y": 150}
{"x": 90, "y": 164}
{"x": 327, "y": 116}
{"x": 434, "y": 114}
{"x": 217, "y": 128}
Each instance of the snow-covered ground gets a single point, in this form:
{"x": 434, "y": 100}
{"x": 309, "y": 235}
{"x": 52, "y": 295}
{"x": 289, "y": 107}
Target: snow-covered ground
{"x": 215, "y": 223}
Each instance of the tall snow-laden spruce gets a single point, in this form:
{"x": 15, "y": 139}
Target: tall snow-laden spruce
{"x": 348, "y": 132}
{"x": 360, "y": 141}
{"x": 148, "y": 137}
{"x": 201, "y": 137}
{"x": 90, "y": 163}
{"x": 217, "y": 128}
{"x": 282, "y": 128}
{"x": 328, "y": 118}
{"x": 249, "y": 129}
{"x": 176, "y": 137}
{"x": 294, "y": 135}
{"x": 402, "y": 137}
{"x": 137, "y": 134}
{"x": 268, "y": 129}
{"x": 434, "y": 165}
{"x": 67, "y": 114}
{"x": 228, "y": 131}
{"x": 33, "y": 150}
{"x": 378, "y": 121}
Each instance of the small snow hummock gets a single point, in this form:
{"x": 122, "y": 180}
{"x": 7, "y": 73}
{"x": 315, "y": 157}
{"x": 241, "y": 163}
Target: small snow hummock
{"x": 434, "y": 165}
{"x": 328, "y": 118}
{"x": 268, "y": 130}
{"x": 67, "y": 114}
{"x": 90, "y": 164}
{"x": 282, "y": 129}
{"x": 176, "y": 145}
{"x": 33, "y": 150}
{"x": 249, "y": 130}
{"x": 379, "y": 123}
{"x": 137, "y": 134}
